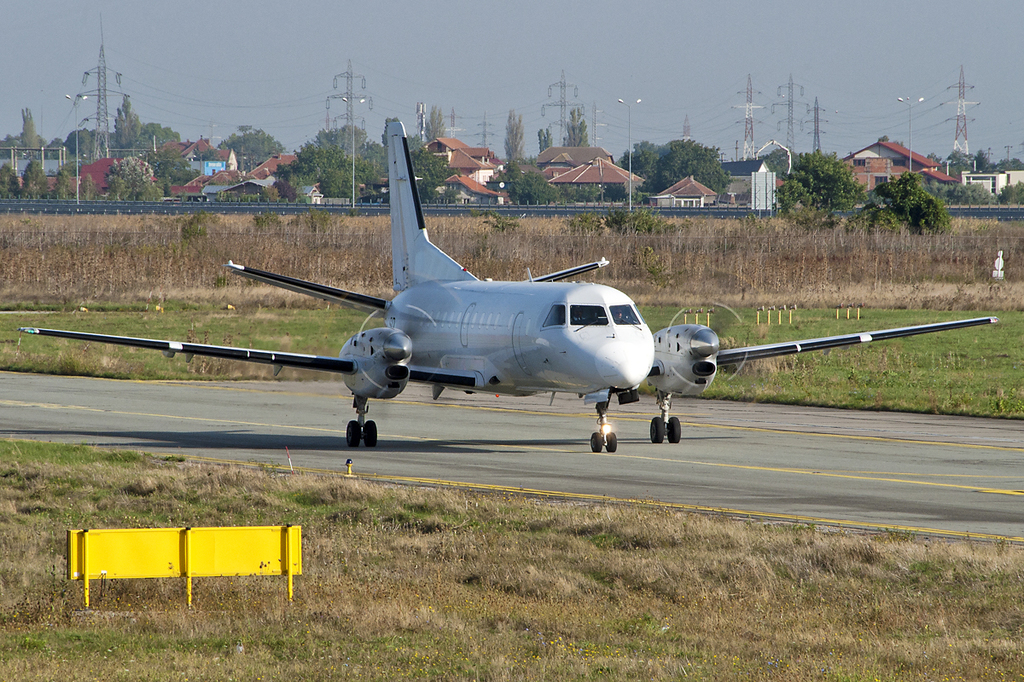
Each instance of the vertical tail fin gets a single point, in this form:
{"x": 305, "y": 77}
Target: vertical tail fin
{"x": 414, "y": 259}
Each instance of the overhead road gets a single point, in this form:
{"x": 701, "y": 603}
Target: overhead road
{"x": 70, "y": 207}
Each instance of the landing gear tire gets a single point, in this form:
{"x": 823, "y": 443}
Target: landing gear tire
{"x": 675, "y": 430}
{"x": 611, "y": 443}
{"x": 370, "y": 434}
{"x": 354, "y": 433}
{"x": 657, "y": 430}
{"x": 596, "y": 442}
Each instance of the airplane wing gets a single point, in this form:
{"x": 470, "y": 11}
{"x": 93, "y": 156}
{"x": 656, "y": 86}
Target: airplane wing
{"x": 349, "y": 299}
{"x": 170, "y": 348}
{"x": 448, "y": 377}
{"x": 571, "y": 272}
{"x": 734, "y": 356}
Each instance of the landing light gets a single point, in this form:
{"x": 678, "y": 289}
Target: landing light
{"x": 606, "y": 429}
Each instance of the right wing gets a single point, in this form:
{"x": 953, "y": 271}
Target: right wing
{"x": 349, "y": 299}
{"x": 734, "y": 356}
{"x": 170, "y": 348}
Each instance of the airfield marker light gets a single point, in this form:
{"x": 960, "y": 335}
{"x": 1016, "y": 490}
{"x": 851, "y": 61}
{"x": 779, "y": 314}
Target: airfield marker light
{"x": 348, "y": 467}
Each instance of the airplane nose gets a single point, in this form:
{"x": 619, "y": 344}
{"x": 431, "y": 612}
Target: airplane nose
{"x": 624, "y": 365}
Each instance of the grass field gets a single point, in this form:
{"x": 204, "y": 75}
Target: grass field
{"x": 408, "y": 583}
{"x": 978, "y": 371}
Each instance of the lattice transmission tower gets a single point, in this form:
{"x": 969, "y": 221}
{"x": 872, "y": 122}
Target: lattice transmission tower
{"x": 749, "y": 148}
{"x": 789, "y": 103}
{"x": 818, "y": 120}
{"x": 960, "y": 139}
{"x": 563, "y": 104}
{"x": 102, "y": 113}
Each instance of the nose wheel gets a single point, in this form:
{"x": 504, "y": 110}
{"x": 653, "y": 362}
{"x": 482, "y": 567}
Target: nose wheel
{"x": 604, "y": 438}
{"x": 360, "y": 429}
{"x": 664, "y": 426}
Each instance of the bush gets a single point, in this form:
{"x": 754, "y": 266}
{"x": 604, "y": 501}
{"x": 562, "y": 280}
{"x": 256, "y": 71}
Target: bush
{"x": 501, "y": 223}
{"x": 641, "y": 221}
{"x": 266, "y": 220}
{"x": 584, "y": 223}
{"x": 195, "y": 225}
{"x": 316, "y": 220}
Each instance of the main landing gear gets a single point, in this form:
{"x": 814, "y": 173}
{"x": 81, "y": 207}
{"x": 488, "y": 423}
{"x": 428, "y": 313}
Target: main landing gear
{"x": 604, "y": 437}
{"x": 359, "y": 429}
{"x": 665, "y": 426}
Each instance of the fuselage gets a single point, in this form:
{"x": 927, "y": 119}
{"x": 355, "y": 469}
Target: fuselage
{"x": 526, "y": 337}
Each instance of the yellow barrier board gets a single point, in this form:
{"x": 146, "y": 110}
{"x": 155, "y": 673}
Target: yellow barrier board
{"x": 184, "y": 552}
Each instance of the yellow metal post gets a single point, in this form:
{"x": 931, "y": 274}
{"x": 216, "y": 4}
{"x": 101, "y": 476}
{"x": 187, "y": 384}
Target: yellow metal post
{"x": 188, "y": 565}
{"x": 780, "y": 317}
{"x": 85, "y": 565}
{"x": 288, "y": 558}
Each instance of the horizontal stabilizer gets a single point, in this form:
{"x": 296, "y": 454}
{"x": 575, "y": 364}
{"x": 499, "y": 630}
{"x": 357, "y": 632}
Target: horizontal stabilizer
{"x": 734, "y": 356}
{"x": 571, "y": 272}
{"x": 171, "y": 348}
{"x": 349, "y": 299}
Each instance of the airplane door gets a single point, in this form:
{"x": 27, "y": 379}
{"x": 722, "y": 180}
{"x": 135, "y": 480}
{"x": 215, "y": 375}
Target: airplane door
{"x": 518, "y": 328}
{"x": 464, "y": 331}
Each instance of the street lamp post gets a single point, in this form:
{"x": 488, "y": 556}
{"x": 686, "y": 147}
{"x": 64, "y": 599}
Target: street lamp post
{"x": 352, "y": 125}
{"x": 78, "y": 179}
{"x": 629, "y": 146}
{"x": 910, "y": 125}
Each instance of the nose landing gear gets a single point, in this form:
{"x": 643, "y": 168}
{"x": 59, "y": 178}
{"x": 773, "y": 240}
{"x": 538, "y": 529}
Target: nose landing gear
{"x": 604, "y": 437}
{"x": 359, "y": 429}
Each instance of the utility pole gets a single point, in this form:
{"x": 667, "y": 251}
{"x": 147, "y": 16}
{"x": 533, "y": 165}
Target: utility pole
{"x": 452, "y": 128}
{"x": 748, "y": 132}
{"x": 593, "y": 124}
{"x": 686, "y": 128}
{"x": 563, "y": 104}
{"x": 960, "y": 139}
{"x": 421, "y": 119}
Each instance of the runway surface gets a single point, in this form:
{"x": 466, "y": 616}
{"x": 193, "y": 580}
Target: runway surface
{"x": 955, "y": 476}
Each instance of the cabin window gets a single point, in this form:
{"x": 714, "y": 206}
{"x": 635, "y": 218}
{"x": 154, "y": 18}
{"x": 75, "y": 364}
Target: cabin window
{"x": 588, "y": 315}
{"x": 624, "y": 314}
{"x": 556, "y": 316}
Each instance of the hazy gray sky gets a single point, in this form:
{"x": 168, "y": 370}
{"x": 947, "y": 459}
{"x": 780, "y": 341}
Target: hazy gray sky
{"x": 206, "y": 68}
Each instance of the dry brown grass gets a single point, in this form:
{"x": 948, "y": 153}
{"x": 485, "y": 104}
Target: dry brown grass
{"x": 62, "y": 259}
{"x": 416, "y": 583}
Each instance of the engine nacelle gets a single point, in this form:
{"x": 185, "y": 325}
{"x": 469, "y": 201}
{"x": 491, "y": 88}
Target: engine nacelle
{"x": 684, "y": 359}
{"x": 379, "y": 356}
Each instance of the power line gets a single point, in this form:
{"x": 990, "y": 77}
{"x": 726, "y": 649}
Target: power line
{"x": 563, "y": 104}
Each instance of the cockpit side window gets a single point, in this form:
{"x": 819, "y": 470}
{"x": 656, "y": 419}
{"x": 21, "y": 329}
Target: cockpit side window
{"x": 624, "y": 314}
{"x": 588, "y": 315}
{"x": 556, "y": 316}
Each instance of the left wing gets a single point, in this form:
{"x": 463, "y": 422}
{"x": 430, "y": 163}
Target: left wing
{"x": 349, "y": 299}
{"x": 735, "y": 356}
{"x": 570, "y": 272}
{"x": 171, "y": 348}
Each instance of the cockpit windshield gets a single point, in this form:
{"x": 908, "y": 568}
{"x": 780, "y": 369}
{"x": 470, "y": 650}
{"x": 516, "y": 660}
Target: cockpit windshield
{"x": 625, "y": 314}
{"x": 587, "y": 315}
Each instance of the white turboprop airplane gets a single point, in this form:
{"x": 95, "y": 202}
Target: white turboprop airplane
{"x": 449, "y": 329}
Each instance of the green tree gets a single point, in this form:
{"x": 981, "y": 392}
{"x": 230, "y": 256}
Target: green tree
{"x": 960, "y": 194}
{"x": 252, "y": 146}
{"x": 684, "y": 158}
{"x": 169, "y": 167}
{"x": 84, "y": 141}
{"x": 156, "y": 135}
{"x": 514, "y": 150}
{"x": 127, "y": 127}
{"x": 1012, "y": 194}
{"x": 431, "y": 171}
{"x": 645, "y": 159}
{"x": 904, "y": 201}
{"x": 132, "y": 179}
{"x": 29, "y": 137}
{"x": 822, "y": 182}
{"x": 33, "y": 181}
{"x": 777, "y": 162}
{"x": 527, "y": 187}
{"x": 10, "y": 186}
{"x": 435, "y": 124}
{"x": 576, "y": 132}
{"x": 330, "y": 167}
{"x": 543, "y": 139}
{"x": 64, "y": 188}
